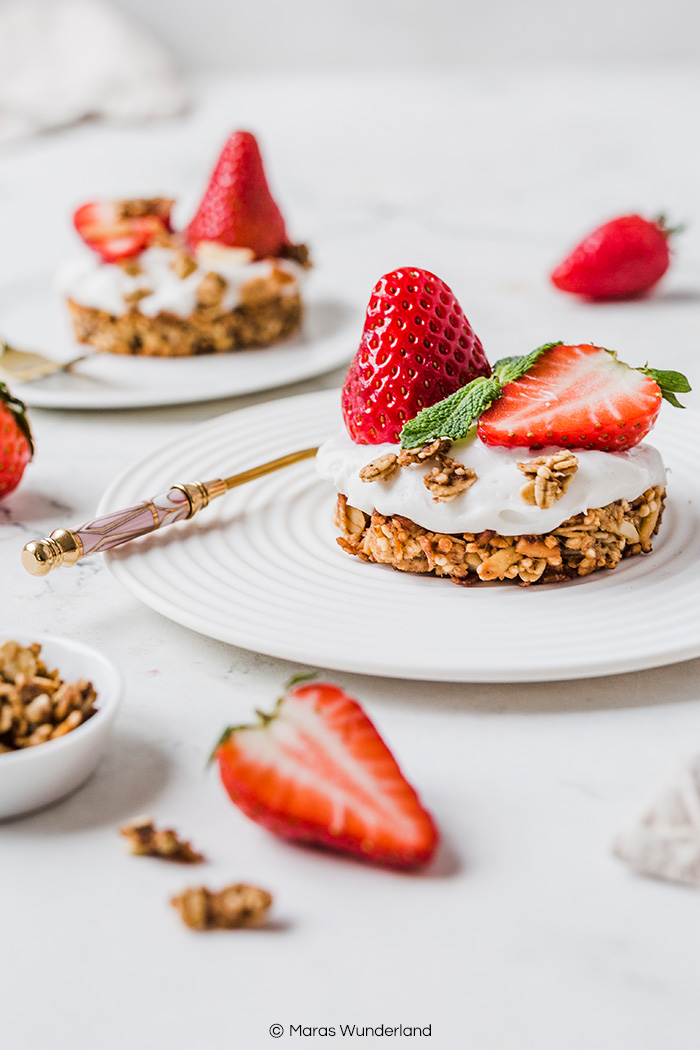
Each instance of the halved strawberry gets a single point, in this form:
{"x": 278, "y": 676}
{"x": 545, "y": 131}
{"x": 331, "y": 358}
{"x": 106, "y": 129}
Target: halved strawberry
{"x": 237, "y": 208}
{"x": 576, "y": 397}
{"x": 416, "y": 348}
{"x": 120, "y": 229}
{"x": 316, "y": 770}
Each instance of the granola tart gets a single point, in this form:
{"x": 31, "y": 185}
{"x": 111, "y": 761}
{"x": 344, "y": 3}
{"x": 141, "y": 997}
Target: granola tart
{"x": 475, "y": 514}
{"x": 168, "y": 303}
{"x": 231, "y": 279}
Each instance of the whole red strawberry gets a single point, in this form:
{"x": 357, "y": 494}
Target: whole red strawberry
{"x": 16, "y": 445}
{"x": 237, "y": 208}
{"x": 416, "y": 348}
{"x": 621, "y": 259}
{"x": 316, "y": 770}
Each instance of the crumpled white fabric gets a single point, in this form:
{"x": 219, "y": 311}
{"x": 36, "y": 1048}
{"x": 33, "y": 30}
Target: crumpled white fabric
{"x": 665, "y": 841}
{"x": 64, "y": 60}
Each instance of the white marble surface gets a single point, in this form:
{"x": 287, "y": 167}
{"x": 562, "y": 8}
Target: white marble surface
{"x": 526, "y": 931}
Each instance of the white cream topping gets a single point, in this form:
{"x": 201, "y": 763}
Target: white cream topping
{"x": 103, "y": 286}
{"x": 494, "y": 501}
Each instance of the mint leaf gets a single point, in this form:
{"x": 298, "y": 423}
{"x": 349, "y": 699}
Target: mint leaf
{"x": 454, "y": 416}
{"x": 508, "y": 369}
{"x": 502, "y": 365}
{"x": 670, "y": 384}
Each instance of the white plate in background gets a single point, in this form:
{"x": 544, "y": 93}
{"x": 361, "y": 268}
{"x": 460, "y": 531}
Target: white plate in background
{"x": 34, "y": 317}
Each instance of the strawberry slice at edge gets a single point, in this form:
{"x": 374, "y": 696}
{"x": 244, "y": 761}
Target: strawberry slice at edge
{"x": 112, "y": 237}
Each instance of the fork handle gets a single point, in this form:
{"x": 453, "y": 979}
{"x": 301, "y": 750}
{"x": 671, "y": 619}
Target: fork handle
{"x": 68, "y": 546}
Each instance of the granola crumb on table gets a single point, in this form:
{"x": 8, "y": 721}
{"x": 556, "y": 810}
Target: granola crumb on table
{"x": 145, "y": 840}
{"x": 228, "y": 909}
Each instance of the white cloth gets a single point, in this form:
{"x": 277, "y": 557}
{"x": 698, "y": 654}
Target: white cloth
{"x": 665, "y": 841}
{"x": 64, "y": 60}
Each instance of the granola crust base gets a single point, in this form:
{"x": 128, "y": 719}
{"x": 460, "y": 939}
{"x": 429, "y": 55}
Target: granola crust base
{"x": 204, "y": 332}
{"x": 598, "y": 539}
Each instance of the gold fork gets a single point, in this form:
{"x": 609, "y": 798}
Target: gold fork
{"x": 26, "y": 366}
{"x": 178, "y": 503}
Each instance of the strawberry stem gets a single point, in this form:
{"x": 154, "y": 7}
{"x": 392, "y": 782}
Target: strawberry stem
{"x": 669, "y": 231}
{"x": 300, "y": 676}
{"x": 669, "y": 383}
{"x": 263, "y": 716}
{"x": 219, "y": 743}
{"x": 16, "y": 407}
{"x": 266, "y": 718}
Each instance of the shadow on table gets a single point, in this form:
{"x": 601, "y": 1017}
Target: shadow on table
{"x": 131, "y": 775}
{"x": 656, "y": 298}
{"x": 677, "y": 295}
{"x": 447, "y": 863}
{"x": 28, "y": 505}
{"x": 674, "y": 684}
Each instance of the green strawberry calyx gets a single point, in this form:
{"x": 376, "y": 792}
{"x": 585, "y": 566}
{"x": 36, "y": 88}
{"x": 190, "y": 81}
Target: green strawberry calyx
{"x": 264, "y": 717}
{"x": 669, "y": 383}
{"x": 668, "y": 231}
{"x": 454, "y": 416}
{"x": 18, "y": 410}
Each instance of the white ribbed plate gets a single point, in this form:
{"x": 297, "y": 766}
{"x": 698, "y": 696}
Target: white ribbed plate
{"x": 260, "y": 568}
{"x": 33, "y": 317}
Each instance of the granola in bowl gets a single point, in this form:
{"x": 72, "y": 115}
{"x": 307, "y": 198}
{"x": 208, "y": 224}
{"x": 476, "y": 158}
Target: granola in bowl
{"x": 57, "y": 722}
{"x": 36, "y": 704}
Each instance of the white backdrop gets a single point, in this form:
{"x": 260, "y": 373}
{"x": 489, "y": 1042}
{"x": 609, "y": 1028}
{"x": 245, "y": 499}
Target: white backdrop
{"x": 249, "y": 34}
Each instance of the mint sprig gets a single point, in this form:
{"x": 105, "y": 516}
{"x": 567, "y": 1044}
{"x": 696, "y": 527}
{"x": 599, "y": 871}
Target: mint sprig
{"x": 454, "y": 416}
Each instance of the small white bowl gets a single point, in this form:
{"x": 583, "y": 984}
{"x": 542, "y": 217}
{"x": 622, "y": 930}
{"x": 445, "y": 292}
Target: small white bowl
{"x": 36, "y": 776}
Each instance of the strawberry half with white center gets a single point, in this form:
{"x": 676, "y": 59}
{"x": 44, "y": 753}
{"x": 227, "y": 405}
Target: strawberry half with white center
{"x": 416, "y": 348}
{"x": 315, "y": 770}
{"x": 571, "y": 396}
{"x": 237, "y": 208}
{"x": 576, "y": 397}
{"x": 16, "y": 445}
{"x": 121, "y": 229}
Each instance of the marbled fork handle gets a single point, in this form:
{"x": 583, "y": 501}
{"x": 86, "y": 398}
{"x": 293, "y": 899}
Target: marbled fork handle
{"x": 123, "y": 525}
{"x": 68, "y": 546}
